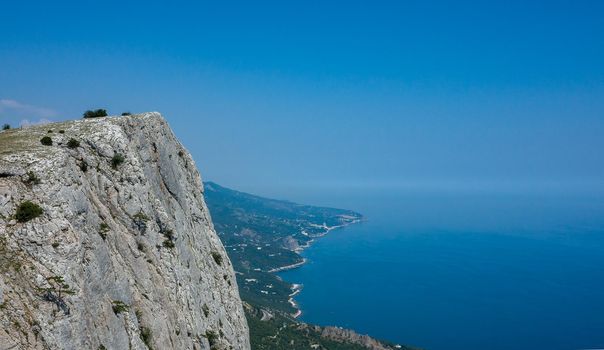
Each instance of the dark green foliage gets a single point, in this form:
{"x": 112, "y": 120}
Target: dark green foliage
{"x": 50, "y": 131}
{"x": 206, "y": 310}
{"x": 55, "y": 292}
{"x": 140, "y": 216}
{"x": 61, "y": 131}
{"x": 140, "y": 246}
{"x": 217, "y": 257}
{"x": 146, "y": 336}
{"x": 140, "y": 221}
{"x": 5, "y": 127}
{"x": 46, "y": 141}
{"x": 168, "y": 244}
{"x": 31, "y": 179}
{"x": 119, "y": 307}
{"x": 73, "y": 143}
{"x": 27, "y": 211}
{"x": 84, "y": 166}
{"x": 126, "y": 113}
{"x": 57, "y": 284}
{"x": 181, "y": 153}
{"x": 101, "y": 347}
{"x": 294, "y": 335}
{"x": 103, "y": 229}
{"x": 95, "y": 113}
{"x": 212, "y": 338}
{"x": 55, "y": 244}
{"x": 117, "y": 160}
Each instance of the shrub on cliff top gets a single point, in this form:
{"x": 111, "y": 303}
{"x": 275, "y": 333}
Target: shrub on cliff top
{"x": 5, "y": 127}
{"x": 46, "y": 141}
{"x": 32, "y": 178}
{"x": 27, "y": 211}
{"x": 73, "y": 143}
{"x": 95, "y": 114}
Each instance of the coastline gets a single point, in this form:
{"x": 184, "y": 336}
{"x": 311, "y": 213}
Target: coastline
{"x": 297, "y": 288}
{"x": 288, "y": 267}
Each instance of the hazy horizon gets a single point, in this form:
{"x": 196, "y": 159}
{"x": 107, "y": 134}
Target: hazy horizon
{"x": 451, "y": 96}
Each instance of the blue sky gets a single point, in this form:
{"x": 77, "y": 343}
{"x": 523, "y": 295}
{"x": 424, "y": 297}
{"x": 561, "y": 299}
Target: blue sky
{"x": 269, "y": 95}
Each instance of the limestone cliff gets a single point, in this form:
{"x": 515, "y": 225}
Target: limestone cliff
{"x": 123, "y": 254}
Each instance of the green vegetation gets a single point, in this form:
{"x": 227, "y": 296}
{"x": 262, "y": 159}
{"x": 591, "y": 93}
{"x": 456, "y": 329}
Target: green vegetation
{"x": 117, "y": 160}
{"x": 126, "y": 113}
{"x": 97, "y": 113}
{"x": 55, "y": 292}
{"x": 119, "y": 307}
{"x": 283, "y": 333}
{"x": 169, "y": 241}
{"x": 139, "y": 315}
{"x": 5, "y": 127}
{"x": 146, "y": 336}
{"x": 61, "y": 131}
{"x": 103, "y": 229}
{"x": 140, "y": 220}
{"x": 83, "y": 166}
{"x": 217, "y": 257}
{"x": 73, "y": 143}
{"x": 31, "y": 179}
{"x": 55, "y": 244}
{"x": 58, "y": 285}
{"x": 46, "y": 141}
{"x": 140, "y": 216}
{"x": 212, "y": 338}
{"x": 27, "y": 211}
{"x": 206, "y": 310}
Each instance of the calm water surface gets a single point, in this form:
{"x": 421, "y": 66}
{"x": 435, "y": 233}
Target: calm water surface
{"x": 461, "y": 272}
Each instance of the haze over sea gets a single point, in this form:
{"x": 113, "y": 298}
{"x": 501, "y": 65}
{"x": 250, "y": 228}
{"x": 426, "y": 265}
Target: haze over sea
{"x": 461, "y": 271}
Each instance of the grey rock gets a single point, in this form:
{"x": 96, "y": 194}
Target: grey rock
{"x": 138, "y": 234}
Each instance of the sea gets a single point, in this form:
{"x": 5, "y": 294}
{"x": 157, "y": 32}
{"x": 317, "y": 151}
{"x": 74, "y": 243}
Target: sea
{"x": 460, "y": 271}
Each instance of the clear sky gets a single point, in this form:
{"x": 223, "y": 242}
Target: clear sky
{"x": 278, "y": 94}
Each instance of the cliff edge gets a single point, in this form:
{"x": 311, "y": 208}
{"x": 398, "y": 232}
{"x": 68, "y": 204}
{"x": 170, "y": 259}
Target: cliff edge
{"x": 106, "y": 242}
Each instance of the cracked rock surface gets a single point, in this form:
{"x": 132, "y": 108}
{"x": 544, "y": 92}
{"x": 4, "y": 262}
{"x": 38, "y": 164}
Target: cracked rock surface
{"x": 124, "y": 254}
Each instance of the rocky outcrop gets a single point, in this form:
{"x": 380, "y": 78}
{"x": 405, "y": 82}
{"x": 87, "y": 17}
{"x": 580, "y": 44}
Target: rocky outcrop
{"x": 350, "y": 336}
{"x": 124, "y": 254}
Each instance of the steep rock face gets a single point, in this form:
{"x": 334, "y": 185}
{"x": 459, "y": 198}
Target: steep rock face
{"x": 124, "y": 255}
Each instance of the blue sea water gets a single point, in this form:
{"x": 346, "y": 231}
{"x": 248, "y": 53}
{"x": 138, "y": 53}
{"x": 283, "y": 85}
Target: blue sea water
{"x": 461, "y": 271}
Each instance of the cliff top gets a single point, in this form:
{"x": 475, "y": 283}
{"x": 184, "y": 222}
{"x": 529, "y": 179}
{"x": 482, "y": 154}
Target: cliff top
{"x": 27, "y": 139}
